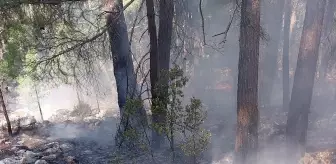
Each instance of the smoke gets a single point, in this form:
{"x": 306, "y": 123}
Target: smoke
{"x": 213, "y": 79}
{"x": 102, "y": 134}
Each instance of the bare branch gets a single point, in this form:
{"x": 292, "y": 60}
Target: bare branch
{"x": 202, "y": 19}
{"x": 228, "y": 26}
{"x": 73, "y": 47}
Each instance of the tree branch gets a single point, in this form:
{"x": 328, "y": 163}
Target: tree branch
{"x": 202, "y": 19}
{"x": 15, "y": 3}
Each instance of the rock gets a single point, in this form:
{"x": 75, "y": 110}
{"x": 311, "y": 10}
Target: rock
{"x": 88, "y": 152}
{"x": 30, "y": 157}
{"x": 10, "y": 161}
{"x": 49, "y": 145}
{"x": 49, "y": 157}
{"x": 71, "y": 160}
{"x": 52, "y": 144}
{"x": 20, "y": 152}
{"x": 22, "y": 147}
{"x": 3, "y": 141}
{"x": 53, "y": 150}
{"x": 30, "y": 141}
{"x": 66, "y": 147}
{"x": 20, "y": 142}
{"x": 41, "y": 162}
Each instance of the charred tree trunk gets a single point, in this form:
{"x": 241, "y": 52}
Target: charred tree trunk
{"x": 153, "y": 46}
{"x": 285, "y": 55}
{"x": 297, "y": 122}
{"x": 9, "y": 127}
{"x": 123, "y": 71}
{"x": 247, "y": 95}
{"x": 154, "y": 65}
{"x": 166, "y": 13}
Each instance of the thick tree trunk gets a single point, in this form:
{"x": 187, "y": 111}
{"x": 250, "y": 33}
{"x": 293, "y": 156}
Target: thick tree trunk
{"x": 154, "y": 64}
{"x": 285, "y": 55}
{"x": 327, "y": 27}
{"x": 270, "y": 67}
{"x": 123, "y": 71}
{"x": 247, "y": 95}
{"x": 2, "y": 101}
{"x": 166, "y": 13}
{"x": 297, "y": 122}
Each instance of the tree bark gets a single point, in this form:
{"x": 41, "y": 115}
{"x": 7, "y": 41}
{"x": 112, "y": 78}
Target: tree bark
{"x": 166, "y": 13}
{"x": 247, "y": 94}
{"x": 327, "y": 27}
{"x": 154, "y": 71}
{"x": 269, "y": 65}
{"x": 153, "y": 46}
{"x": 297, "y": 122}
{"x": 9, "y": 127}
{"x": 123, "y": 70}
{"x": 285, "y": 56}
{"x": 154, "y": 65}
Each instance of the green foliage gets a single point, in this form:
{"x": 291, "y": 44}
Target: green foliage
{"x": 132, "y": 106}
{"x": 131, "y": 129}
{"x": 182, "y": 121}
{"x": 16, "y": 46}
{"x": 198, "y": 139}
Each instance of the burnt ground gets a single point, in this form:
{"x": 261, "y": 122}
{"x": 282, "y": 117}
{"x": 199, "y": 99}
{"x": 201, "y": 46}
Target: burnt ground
{"x": 91, "y": 141}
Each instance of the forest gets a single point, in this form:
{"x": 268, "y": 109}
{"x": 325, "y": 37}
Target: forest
{"x": 167, "y": 81}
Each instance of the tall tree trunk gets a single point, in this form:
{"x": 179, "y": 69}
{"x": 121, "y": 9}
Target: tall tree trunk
{"x": 9, "y": 127}
{"x": 285, "y": 55}
{"x": 297, "y": 122}
{"x": 327, "y": 27}
{"x": 38, "y": 102}
{"x": 166, "y": 13}
{"x": 190, "y": 37}
{"x": 76, "y": 86}
{"x": 247, "y": 95}
{"x": 123, "y": 71}
{"x": 154, "y": 66}
{"x": 272, "y": 50}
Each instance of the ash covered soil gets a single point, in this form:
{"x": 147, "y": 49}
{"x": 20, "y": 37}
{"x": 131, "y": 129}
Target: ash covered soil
{"x": 59, "y": 143}
{"x": 90, "y": 140}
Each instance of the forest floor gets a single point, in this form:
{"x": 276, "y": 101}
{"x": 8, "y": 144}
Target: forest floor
{"x": 50, "y": 143}
{"x": 91, "y": 141}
